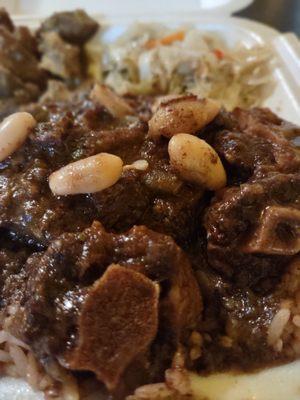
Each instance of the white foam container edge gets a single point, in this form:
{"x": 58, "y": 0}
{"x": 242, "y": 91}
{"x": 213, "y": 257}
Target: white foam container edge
{"x": 208, "y": 15}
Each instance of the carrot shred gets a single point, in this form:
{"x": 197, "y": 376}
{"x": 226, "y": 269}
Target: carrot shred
{"x": 151, "y": 43}
{"x": 219, "y": 54}
{"x": 165, "y": 41}
{"x": 173, "y": 37}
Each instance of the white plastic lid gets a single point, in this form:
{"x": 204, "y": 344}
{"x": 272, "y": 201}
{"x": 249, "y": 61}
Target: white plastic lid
{"x": 128, "y": 7}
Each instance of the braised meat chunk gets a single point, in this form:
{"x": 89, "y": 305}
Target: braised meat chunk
{"x": 21, "y": 78}
{"x": 152, "y": 285}
{"x": 252, "y": 240}
{"x": 61, "y": 39}
{"x": 132, "y": 299}
{"x": 28, "y": 59}
{"x": 154, "y": 196}
{"x": 140, "y": 237}
{"x": 256, "y": 143}
{"x": 75, "y": 27}
{"x": 18, "y": 59}
{"x": 241, "y": 217}
{"x": 5, "y": 20}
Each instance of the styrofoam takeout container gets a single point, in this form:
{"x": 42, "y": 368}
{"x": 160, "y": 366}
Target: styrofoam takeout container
{"x": 115, "y": 17}
{"x": 207, "y": 15}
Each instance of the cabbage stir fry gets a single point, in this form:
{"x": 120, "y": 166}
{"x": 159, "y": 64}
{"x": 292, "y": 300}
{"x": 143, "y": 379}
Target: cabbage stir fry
{"x": 150, "y": 59}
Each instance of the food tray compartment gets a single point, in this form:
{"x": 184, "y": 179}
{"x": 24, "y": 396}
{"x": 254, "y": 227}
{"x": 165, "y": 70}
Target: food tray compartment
{"x": 285, "y": 98}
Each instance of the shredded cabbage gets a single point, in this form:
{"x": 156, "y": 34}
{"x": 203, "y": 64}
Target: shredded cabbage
{"x": 141, "y": 63}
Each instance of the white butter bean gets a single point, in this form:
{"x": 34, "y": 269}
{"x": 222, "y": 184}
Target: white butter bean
{"x": 114, "y": 104}
{"x": 196, "y": 161}
{"x": 161, "y": 100}
{"x": 13, "y": 132}
{"x": 182, "y": 114}
{"x": 89, "y": 175}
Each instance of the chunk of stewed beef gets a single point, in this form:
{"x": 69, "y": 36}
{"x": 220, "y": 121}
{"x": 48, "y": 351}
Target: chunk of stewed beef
{"x": 239, "y": 223}
{"x": 65, "y": 299}
{"x": 5, "y": 20}
{"x": 8, "y": 83}
{"x": 243, "y": 153}
{"x": 257, "y": 143}
{"x": 11, "y": 264}
{"x": 27, "y": 39}
{"x": 121, "y": 314}
{"x": 75, "y": 27}
{"x": 19, "y": 60}
{"x": 262, "y": 123}
{"x": 64, "y": 287}
{"x": 154, "y": 196}
{"x": 27, "y": 59}
{"x": 21, "y": 79}
{"x": 32, "y": 213}
{"x": 258, "y": 122}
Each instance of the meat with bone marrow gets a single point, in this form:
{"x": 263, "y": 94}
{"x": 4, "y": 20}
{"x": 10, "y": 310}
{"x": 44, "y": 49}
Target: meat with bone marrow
{"x": 256, "y": 222}
{"x": 60, "y": 286}
{"x": 241, "y": 271}
{"x": 241, "y": 218}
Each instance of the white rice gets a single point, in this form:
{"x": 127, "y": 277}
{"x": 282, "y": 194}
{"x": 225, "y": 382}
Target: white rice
{"x": 277, "y": 325}
{"x": 17, "y": 361}
{"x": 7, "y": 337}
{"x": 157, "y": 391}
{"x": 284, "y": 330}
{"x": 32, "y": 375}
{"x": 5, "y": 357}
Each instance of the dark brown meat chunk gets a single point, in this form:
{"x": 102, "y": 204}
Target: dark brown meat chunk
{"x": 9, "y": 83}
{"x": 13, "y": 256}
{"x": 116, "y": 209}
{"x": 11, "y": 264}
{"x": 57, "y": 289}
{"x": 75, "y": 27}
{"x": 234, "y": 219}
{"x": 24, "y": 36}
{"x": 13, "y": 87}
{"x": 244, "y": 153}
{"x": 108, "y": 344}
{"x": 5, "y": 20}
{"x": 257, "y": 143}
{"x": 236, "y": 332}
{"x": 27, "y": 60}
{"x": 155, "y": 197}
{"x": 30, "y": 210}
{"x": 19, "y": 60}
{"x": 258, "y": 122}
{"x": 264, "y": 122}
{"x": 252, "y": 236}
{"x": 21, "y": 79}
{"x": 235, "y": 209}
{"x": 240, "y": 250}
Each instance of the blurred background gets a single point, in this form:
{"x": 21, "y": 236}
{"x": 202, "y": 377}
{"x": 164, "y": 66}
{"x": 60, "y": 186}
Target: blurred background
{"x": 283, "y": 15}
